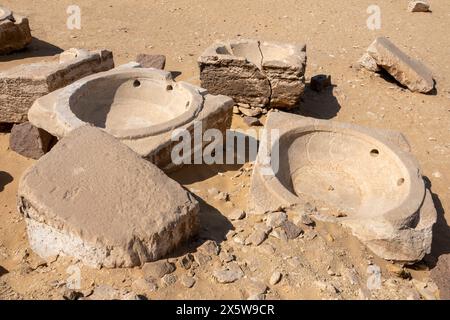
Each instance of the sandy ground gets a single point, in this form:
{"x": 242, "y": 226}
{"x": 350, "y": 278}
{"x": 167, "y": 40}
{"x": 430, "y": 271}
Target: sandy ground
{"x": 336, "y": 36}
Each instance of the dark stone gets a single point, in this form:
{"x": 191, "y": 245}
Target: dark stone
{"x": 252, "y": 121}
{"x": 29, "y": 141}
{"x": 157, "y": 61}
{"x": 292, "y": 231}
{"x": 320, "y": 82}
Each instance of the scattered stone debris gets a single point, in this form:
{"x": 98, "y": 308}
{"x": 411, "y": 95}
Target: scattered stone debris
{"x": 15, "y": 31}
{"x": 292, "y": 231}
{"x": 320, "y": 82}
{"x": 22, "y": 85}
{"x": 146, "y": 284}
{"x": 79, "y": 201}
{"x": 210, "y": 247}
{"x": 418, "y": 6}
{"x": 255, "y": 72}
{"x": 406, "y": 70}
{"x": 187, "y": 281}
{"x": 29, "y": 141}
{"x": 276, "y": 219}
{"x": 252, "y": 121}
{"x": 202, "y": 259}
{"x": 157, "y": 61}
{"x": 369, "y": 63}
{"x": 256, "y": 237}
{"x": 186, "y": 261}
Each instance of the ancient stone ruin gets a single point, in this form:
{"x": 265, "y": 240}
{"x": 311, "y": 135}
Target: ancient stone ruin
{"x": 22, "y": 85}
{"x": 364, "y": 179}
{"x": 413, "y": 74}
{"x": 95, "y": 199}
{"x": 255, "y": 72}
{"x": 139, "y": 106}
{"x": 14, "y": 31}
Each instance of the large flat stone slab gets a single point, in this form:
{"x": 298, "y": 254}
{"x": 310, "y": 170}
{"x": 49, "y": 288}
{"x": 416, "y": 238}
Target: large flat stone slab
{"x": 255, "y": 72}
{"x": 362, "y": 178}
{"x": 22, "y": 85}
{"x": 94, "y": 199}
{"x": 140, "y": 106}
{"x": 409, "y": 72}
{"x": 15, "y": 31}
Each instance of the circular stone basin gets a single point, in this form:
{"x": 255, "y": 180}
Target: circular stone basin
{"x": 5, "y": 13}
{"x": 345, "y": 170}
{"x": 134, "y": 103}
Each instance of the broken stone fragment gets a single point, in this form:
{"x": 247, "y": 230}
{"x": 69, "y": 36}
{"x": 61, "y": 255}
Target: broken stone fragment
{"x": 369, "y": 63}
{"x": 94, "y": 199}
{"x": 15, "y": 31}
{"x": 22, "y": 85}
{"x": 29, "y": 141}
{"x": 252, "y": 121}
{"x": 418, "y": 6}
{"x": 157, "y": 61}
{"x": 409, "y": 72}
{"x": 229, "y": 274}
{"x": 157, "y": 269}
{"x": 255, "y": 72}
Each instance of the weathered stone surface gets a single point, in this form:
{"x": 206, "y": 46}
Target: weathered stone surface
{"x": 157, "y": 269}
{"x": 291, "y": 230}
{"x": 29, "y": 141}
{"x": 406, "y": 70}
{"x": 256, "y": 238}
{"x": 142, "y": 108}
{"x": 369, "y": 63}
{"x": 254, "y": 72}
{"x": 22, "y": 85}
{"x": 15, "y": 31}
{"x": 346, "y": 168}
{"x": 418, "y": 6}
{"x": 94, "y": 199}
{"x": 275, "y": 278}
{"x": 187, "y": 281}
{"x": 252, "y": 121}
{"x": 276, "y": 219}
{"x": 157, "y": 61}
{"x": 237, "y": 214}
{"x": 229, "y": 274}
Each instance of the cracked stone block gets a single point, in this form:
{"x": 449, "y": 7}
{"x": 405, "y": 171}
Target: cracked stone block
{"x": 94, "y": 199}
{"x": 409, "y": 72}
{"x": 139, "y": 106}
{"x": 15, "y": 31}
{"x": 368, "y": 174}
{"x": 255, "y": 72}
{"x": 418, "y": 6}
{"x": 22, "y": 85}
{"x": 29, "y": 141}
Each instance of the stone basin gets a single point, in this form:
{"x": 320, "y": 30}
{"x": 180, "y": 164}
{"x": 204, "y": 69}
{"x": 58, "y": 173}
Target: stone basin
{"x": 139, "y": 106}
{"x": 365, "y": 179}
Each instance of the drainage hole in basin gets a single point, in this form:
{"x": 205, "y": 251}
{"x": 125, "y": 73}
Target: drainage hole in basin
{"x": 374, "y": 152}
{"x": 136, "y": 83}
{"x": 169, "y": 88}
{"x": 400, "y": 181}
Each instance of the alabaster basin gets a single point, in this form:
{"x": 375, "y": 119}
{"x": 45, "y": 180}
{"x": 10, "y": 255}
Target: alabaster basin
{"x": 139, "y": 106}
{"x": 363, "y": 178}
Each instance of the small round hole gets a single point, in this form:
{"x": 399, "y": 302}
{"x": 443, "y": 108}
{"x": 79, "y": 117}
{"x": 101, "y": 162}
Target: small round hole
{"x": 169, "y": 87}
{"x": 136, "y": 83}
{"x": 400, "y": 181}
{"x": 374, "y": 152}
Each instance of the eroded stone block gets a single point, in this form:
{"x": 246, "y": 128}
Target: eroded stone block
{"x": 29, "y": 141}
{"x": 406, "y": 70}
{"x": 94, "y": 199}
{"x": 15, "y": 31}
{"x": 22, "y": 85}
{"x": 364, "y": 179}
{"x": 255, "y": 72}
{"x": 141, "y": 107}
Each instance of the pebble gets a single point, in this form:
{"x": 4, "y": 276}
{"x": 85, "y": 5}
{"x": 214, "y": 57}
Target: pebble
{"x": 291, "y": 230}
{"x": 228, "y": 275}
{"x": 210, "y": 247}
{"x": 202, "y": 259}
{"x": 252, "y": 121}
{"x": 186, "y": 261}
{"x": 275, "y": 278}
{"x": 187, "y": 281}
{"x": 157, "y": 269}
{"x": 237, "y": 214}
{"x": 276, "y": 219}
{"x": 256, "y": 237}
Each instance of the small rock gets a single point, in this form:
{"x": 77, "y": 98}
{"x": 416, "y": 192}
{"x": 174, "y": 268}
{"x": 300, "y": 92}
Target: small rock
{"x": 257, "y": 297}
{"x": 275, "y": 278}
{"x": 226, "y": 257}
{"x": 70, "y": 294}
{"x": 222, "y": 196}
{"x": 418, "y": 6}
{"x": 291, "y": 230}
{"x": 256, "y": 237}
{"x": 29, "y": 141}
{"x": 229, "y": 274}
{"x": 236, "y": 110}
{"x": 279, "y": 234}
{"x": 187, "y": 281}
{"x": 148, "y": 284}
{"x": 210, "y": 247}
{"x": 169, "y": 279}
{"x": 252, "y": 121}
{"x": 253, "y": 112}
{"x": 305, "y": 219}
{"x": 369, "y": 63}
{"x": 202, "y": 259}
{"x": 156, "y": 61}
{"x": 255, "y": 287}
{"x": 186, "y": 261}
{"x": 105, "y": 292}
{"x": 276, "y": 219}
{"x": 237, "y": 214}
{"x": 157, "y": 269}
{"x": 320, "y": 82}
